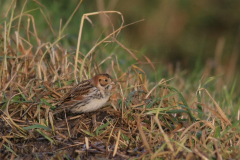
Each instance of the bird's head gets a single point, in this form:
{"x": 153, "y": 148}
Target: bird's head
{"x": 103, "y": 82}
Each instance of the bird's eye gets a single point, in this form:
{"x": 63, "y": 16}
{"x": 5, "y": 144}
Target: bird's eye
{"x": 106, "y": 80}
{"x": 99, "y": 80}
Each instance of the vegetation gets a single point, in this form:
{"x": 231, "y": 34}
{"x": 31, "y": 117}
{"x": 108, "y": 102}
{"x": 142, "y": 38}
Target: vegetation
{"x": 180, "y": 116}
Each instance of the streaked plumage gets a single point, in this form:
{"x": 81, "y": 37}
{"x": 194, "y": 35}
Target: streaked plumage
{"x": 88, "y": 95}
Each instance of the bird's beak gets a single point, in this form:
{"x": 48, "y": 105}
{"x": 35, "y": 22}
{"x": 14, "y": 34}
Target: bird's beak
{"x": 113, "y": 83}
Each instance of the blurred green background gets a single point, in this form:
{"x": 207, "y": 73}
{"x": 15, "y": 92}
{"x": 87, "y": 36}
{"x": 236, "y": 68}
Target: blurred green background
{"x": 176, "y": 34}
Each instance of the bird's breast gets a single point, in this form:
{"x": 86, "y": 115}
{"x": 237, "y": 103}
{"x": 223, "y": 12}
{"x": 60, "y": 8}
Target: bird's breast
{"x": 92, "y": 105}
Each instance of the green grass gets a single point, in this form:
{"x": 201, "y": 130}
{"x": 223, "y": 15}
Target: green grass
{"x": 156, "y": 112}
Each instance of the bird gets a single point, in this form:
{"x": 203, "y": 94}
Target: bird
{"x": 87, "y": 96}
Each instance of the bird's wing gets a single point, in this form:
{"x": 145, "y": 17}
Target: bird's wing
{"x": 77, "y": 91}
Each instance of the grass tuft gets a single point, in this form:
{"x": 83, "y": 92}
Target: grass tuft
{"x": 143, "y": 119}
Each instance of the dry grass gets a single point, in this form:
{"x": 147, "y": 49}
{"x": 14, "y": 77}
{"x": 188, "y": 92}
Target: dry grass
{"x": 141, "y": 120}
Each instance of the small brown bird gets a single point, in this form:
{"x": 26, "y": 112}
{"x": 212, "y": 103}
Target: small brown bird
{"x": 88, "y": 95}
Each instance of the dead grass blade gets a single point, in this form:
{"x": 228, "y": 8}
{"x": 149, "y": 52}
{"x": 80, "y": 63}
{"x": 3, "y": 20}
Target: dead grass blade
{"x": 117, "y": 143}
{"x": 91, "y": 51}
{"x": 220, "y": 111}
{"x": 166, "y": 138}
{"x": 142, "y": 134}
{"x": 132, "y": 54}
